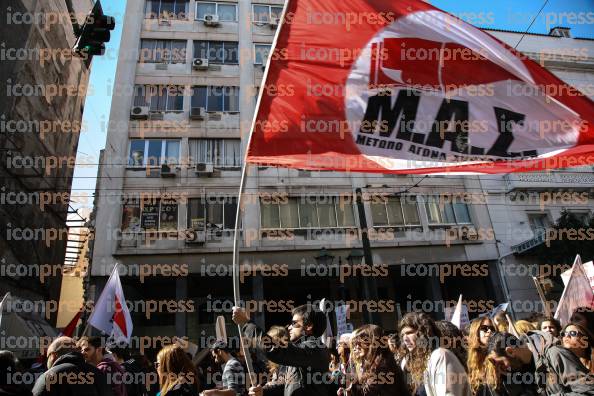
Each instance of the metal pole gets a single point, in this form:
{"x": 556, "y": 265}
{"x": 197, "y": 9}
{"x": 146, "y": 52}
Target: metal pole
{"x": 367, "y": 282}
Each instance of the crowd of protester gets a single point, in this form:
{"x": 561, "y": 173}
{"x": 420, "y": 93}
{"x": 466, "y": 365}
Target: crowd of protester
{"x": 492, "y": 356}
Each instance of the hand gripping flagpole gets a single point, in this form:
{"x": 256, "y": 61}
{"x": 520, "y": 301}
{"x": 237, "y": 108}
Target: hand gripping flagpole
{"x": 236, "y": 292}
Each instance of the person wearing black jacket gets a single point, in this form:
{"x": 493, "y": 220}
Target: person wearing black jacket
{"x": 305, "y": 356}
{"x": 68, "y": 374}
{"x": 134, "y": 378}
{"x": 9, "y": 385}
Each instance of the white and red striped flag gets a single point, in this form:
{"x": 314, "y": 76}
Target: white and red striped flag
{"x": 577, "y": 293}
{"x": 111, "y": 314}
{"x": 402, "y": 87}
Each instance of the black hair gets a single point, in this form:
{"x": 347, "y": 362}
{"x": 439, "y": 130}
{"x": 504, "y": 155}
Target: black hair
{"x": 499, "y": 341}
{"x": 8, "y": 363}
{"x": 95, "y": 342}
{"x": 312, "y": 317}
{"x": 123, "y": 353}
{"x": 222, "y": 345}
{"x": 553, "y": 321}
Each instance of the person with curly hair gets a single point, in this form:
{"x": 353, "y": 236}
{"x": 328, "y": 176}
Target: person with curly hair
{"x": 453, "y": 339}
{"x": 376, "y": 371}
{"x": 433, "y": 370}
{"x": 482, "y": 374}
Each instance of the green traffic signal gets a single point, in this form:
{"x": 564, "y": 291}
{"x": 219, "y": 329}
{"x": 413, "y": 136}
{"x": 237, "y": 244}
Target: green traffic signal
{"x": 94, "y": 33}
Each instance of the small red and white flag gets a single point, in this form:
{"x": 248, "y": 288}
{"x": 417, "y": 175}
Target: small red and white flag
{"x": 577, "y": 293}
{"x": 111, "y": 314}
{"x": 68, "y": 331}
{"x": 402, "y": 87}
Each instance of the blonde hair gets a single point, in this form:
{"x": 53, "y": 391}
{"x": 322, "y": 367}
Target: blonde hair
{"x": 501, "y": 324}
{"x": 523, "y": 327}
{"x": 280, "y": 335}
{"x": 480, "y": 370}
{"x": 175, "y": 367}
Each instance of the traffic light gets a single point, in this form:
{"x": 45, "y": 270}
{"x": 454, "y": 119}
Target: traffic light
{"x": 94, "y": 33}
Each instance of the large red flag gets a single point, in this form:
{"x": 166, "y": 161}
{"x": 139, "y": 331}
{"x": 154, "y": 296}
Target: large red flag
{"x": 402, "y": 87}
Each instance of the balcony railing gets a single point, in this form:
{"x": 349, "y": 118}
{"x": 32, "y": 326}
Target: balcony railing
{"x": 538, "y": 239}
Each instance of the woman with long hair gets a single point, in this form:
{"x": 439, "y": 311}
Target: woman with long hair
{"x": 177, "y": 374}
{"x": 341, "y": 368}
{"x": 376, "y": 371}
{"x": 578, "y": 340}
{"x": 280, "y": 336}
{"x": 453, "y": 339}
{"x": 482, "y": 375}
{"x": 433, "y": 370}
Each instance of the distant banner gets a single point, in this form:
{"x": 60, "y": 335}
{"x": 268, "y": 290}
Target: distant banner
{"x": 402, "y": 87}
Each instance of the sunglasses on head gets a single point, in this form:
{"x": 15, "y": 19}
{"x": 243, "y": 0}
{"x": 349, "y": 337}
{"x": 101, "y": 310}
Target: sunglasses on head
{"x": 572, "y": 333}
{"x": 486, "y": 328}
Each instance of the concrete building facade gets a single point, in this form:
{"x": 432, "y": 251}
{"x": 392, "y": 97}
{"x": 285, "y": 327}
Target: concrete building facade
{"x": 44, "y": 88}
{"x": 523, "y": 206}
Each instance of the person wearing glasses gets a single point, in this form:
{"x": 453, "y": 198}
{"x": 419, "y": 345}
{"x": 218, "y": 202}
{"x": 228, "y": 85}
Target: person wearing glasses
{"x": 534, "y": 364}
{"x": 68, "y": 374}
{"x": 575, "y": 338}
{"x": 305, "y": 356}
{"x": 481, "y": 373}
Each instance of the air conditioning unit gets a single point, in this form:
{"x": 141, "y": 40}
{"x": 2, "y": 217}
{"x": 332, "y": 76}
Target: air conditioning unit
{"x": 200, "y": 64}
{"x": 197, "y": 113}
{"x": 211, "y": 20}
{"x": 139, "y": 112}
{"x": 203, "y": 169}
{"x": 274, "y": 23}
{"x": 166, "y": 171}
{"x": 161, "y": 66}
{"x": 195, "y": 236}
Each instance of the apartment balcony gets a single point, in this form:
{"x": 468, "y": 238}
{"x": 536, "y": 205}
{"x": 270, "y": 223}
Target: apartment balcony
{"x": 527, "y": 246}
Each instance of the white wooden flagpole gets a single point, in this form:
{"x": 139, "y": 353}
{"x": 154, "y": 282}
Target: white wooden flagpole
{"x": 236, "y": 236}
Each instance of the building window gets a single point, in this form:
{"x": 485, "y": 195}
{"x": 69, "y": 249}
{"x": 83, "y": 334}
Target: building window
{"x": 266, "y": 13}
{"x": 153, "y": 216}
{"x": 224, "y": 99}
{"x": 214, "y": 213}
{"x": 439, "y": 212}
{"x": 261, "y": 53}
{"x": 167, "y": 9}
{"x": 227, "y": 12}
{"x": 162, "y": 51}
{"x": 396, "y": 211}
{"x": 306, "y": 212}
{"x": 223, "y": 52}
{"x": 218, "y": 152}
{"x": 160, "y": 98}
{"x": 538, "y": 221}
{"x": 153, "y": 152}
{"x": 584, "y": 217}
